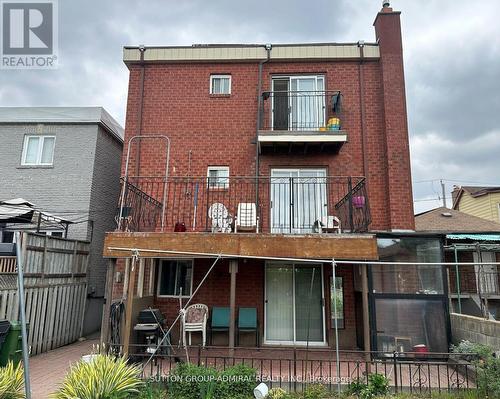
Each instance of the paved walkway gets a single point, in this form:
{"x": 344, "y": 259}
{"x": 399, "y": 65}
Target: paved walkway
{"x": 48, "y": 369}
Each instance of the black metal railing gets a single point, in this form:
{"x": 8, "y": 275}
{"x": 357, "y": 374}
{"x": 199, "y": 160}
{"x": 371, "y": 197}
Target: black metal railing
{"x": 139, "y": 209}
{"x": 293, "y": 368}
{"x": 279, "y": 204}
{"x": 301, "y": 110}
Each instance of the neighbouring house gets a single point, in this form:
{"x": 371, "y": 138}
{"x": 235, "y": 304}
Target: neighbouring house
{"x": 281, "y": 157}
{"x": 480, "y": 201}
{"x": 60, "y": 168}
{"x": 473, "y": 289}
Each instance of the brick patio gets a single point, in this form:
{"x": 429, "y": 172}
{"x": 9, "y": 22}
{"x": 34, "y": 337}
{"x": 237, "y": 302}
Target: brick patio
{"x": 48, "y": 369}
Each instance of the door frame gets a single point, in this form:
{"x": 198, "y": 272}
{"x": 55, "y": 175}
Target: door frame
{"x": 294, "y": 342}
{"x": 290, "y": 77}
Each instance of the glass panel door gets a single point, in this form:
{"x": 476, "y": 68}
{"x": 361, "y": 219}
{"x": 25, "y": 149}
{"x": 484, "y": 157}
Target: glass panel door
{"x": 486, "y": 275}
{"x": 307, "y": 103}
{"x": 308, "y": 304}
{"x": 294, "y": 304}
{"x": 298, "y": 200}
{"x": 279, "y": 303}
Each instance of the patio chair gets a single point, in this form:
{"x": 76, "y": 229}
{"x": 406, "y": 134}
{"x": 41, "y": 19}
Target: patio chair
{"x": 246, "y": 218}
{"x": 221, "y": 220}
{"x": 194, "y": 319}
{"x": 220, "y": 320}
{"x": 328, "y": 224}
{"x": 247, "y": 322}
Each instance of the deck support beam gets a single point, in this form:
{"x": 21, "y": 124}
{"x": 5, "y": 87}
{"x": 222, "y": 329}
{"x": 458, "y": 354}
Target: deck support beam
{"x": 129, "y": 305}
{"x": 108, "y": 298}
{"x": 366, "y": 311}
{"x": 233, "y": 269}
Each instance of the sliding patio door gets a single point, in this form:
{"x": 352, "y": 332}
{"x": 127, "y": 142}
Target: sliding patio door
{"x": 298, "y": 102}
{"x": 298, "y": 200}
{"x": 294, "y": 304}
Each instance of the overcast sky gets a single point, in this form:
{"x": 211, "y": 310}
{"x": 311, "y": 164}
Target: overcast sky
{"x": 452, "y": 65}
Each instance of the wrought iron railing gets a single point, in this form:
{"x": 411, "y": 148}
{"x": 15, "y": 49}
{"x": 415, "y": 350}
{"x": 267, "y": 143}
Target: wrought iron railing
{"x": 301, "y": 110}
{"x": 277, "y": 204}
{"x": 294, "y": 368}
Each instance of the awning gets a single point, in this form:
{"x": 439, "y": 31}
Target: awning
{"x": 19, "y": 210}
{"x": 474, "y": 237}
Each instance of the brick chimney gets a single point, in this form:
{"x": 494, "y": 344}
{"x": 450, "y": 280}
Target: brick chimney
{"x": 388, "y": 33}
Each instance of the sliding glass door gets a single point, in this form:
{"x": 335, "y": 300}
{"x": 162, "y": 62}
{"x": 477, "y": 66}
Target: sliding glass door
{"x": 298, "y": 103}
{"x": 294, "y": 304}
{"x": 298, "y": 200}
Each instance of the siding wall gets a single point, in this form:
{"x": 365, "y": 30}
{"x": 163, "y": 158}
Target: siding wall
{"x": 51, "y": 188}
{"x": 83, "y": 184}
{"x": 486, "y": 206}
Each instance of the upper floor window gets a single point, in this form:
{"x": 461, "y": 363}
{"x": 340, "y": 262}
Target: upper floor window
{"x": 218, "y": 177}
{"x": 38, "y": 150}
{"x": 220, "y": 84}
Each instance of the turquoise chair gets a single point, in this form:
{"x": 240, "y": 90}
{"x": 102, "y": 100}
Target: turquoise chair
{"x": 220, "y": 320}
{"x": 247, "y": 322}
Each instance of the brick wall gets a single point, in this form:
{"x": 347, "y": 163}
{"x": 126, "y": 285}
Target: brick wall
{"x": 220, "y": 130}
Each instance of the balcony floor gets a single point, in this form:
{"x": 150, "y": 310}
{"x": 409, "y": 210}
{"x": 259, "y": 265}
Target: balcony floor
{"x": 301, "y": 141}
{"x": 309, "y": 246}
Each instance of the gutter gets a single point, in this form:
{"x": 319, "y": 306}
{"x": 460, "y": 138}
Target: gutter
{"x": 361, "y": 45}
{"x": 268, "y": 48}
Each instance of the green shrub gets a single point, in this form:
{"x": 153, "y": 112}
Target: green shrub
{"x": 188, "y": 381}
{"x": 11, "y": 381}
{"x": 487, "y": 366}
{"x": 152, "y": 391}
{"x": 105, "y": 377}
{"x": 378, "y": 385}
{"x": 315, "y": 391}
{"x": 236, "y": 382}
{"x": 277, "y": 393}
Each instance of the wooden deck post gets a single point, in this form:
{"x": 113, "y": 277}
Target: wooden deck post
{"x": 129, "y": 305}
{"x": 233, "y": 269}
{"x": 366, "y": 311}
{"x": 108, "y": 298}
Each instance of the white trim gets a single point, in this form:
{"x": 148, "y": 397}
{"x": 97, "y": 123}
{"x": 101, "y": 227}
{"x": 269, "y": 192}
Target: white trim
{"x": 41, "y": 140}
{"x": 212, "y": 77}
{"x": 336, "y": 137}
{"x": 323, "y": 343}
{"x": 160, "y": 270}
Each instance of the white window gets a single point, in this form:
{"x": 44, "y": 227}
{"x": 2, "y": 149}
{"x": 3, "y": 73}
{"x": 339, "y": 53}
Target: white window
{"x": 38, "y": 150}
{"x": 174, "y": 277}
{"x": 218, "y": 177}
{"x": 220, "y": 84}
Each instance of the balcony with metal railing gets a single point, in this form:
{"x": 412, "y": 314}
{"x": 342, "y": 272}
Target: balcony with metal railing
{"x": 276, "y": 205}
{"x": 300, "y": 121}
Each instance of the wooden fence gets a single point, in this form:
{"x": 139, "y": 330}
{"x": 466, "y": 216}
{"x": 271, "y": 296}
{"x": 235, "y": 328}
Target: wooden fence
{"x": 55, "y": 274}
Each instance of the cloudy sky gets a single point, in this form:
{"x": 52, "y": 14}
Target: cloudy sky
{"x": 452, "y": 65}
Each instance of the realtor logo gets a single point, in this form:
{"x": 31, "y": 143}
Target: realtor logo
{"x": 29, "y": 34}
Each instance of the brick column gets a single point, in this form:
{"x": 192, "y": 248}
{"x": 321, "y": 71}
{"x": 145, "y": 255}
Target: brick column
{"x": 388, "y": 32}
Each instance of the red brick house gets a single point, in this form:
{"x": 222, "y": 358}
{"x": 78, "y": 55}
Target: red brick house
{"x": 284, "y": 156}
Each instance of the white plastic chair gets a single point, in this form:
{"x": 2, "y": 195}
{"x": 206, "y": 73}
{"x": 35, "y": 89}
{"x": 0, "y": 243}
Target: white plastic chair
{"x": 221, "y": 220}
{"x": 328, "y": 224}
{"x": 246, "y": 218}
{"x": 194, "y": 319}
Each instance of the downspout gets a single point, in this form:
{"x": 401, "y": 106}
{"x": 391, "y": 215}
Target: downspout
{"x": 142, "y": 50}
{"x": 361, "y": 45}
{"x": 268, "y": 48}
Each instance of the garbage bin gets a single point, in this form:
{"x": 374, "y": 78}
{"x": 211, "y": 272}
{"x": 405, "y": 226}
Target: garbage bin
{"x": 12, "y": 347}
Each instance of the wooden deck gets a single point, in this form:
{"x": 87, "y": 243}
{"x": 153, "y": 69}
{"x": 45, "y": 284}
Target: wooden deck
{"x": 310, "y": 246}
